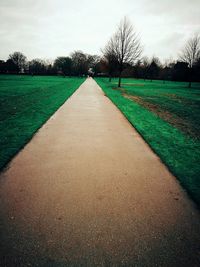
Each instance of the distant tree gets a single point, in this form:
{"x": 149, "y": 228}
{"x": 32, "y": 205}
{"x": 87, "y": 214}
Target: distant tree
{"x": 154, "y": 68}
{"x": 167, "y": 70}
{"x": 79, "y": 63}
{"x": 101, "y": 68}
{"x": 51, "y": 69}
{"x": 144, "y": 67}
{"x": 93, "y": 61}
{"x": 11, "y": 67}
{"x": 197, "y": 71}
{"x": 63, "y": 65}
{"x": 37, "y": 67}
{"x": 130, "y": 71}
{"x": 165, "y": 74}
{"x": 110, "y": 58}
{"x": 180, "y": 71}
{"x": 126, "y": 45}
{"x": 3, "y": 66}
{"x": 98, "y": 67}
{"x": 191, "y": 55}
{"x": 19, "y": 60}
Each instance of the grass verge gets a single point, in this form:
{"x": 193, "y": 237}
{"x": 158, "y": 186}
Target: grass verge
{"x": 179, "y": 150}
{"x": 26, "y": 103}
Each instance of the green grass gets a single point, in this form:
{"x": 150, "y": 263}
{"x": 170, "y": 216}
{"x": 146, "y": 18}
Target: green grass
{"x": 26, "y": 103}
{"x": 167, "y": 116}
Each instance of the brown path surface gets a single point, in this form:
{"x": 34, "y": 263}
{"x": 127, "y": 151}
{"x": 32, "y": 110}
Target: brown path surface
{"x": 88, "y": 191}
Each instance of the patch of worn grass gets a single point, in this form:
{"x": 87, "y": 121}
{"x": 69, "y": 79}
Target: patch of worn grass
{"x": 26, "y": 103}
{"x": 180, "y": 104}
{"x": 166, "y": 115}
{"x": 156, "y": 109}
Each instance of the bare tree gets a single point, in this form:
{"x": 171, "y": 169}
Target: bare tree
{"x": 191, "y": 54}
{"x": 110, "y": 58}
{"x": 79, "y": 63}
{"x": 126, "y": 44}
{"x": 123, "y": 48}
{"x": 19, "y": 60}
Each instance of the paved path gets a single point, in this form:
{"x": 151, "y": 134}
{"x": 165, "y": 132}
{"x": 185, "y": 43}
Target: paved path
{"x": 88, "y": 191}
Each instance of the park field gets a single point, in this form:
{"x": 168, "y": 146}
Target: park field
{"x": 167, "y": 115}
{"x": 27, "y": 102}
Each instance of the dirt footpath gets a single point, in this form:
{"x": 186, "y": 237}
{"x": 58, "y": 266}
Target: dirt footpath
{"x": 88, "y": 191}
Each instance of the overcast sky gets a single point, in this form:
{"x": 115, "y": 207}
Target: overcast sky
{"x": 50, "y": 28}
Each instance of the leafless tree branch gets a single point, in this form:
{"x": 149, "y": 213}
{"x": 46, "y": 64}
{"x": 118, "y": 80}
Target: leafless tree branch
{"x": 191, "y": 52}
{"x": 124, "y": 46}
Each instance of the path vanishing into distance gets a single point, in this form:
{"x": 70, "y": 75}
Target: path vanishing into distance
{"x": 88, "y": 191}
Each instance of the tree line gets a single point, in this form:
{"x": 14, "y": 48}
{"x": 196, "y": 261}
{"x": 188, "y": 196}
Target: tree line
{"x": 121, "y": 57}
{"x": 78, "y": 64}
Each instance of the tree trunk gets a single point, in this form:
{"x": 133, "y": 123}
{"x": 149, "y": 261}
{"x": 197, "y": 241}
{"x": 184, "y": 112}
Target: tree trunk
{"x": 119, "y": 82}
{"x": 190, "y": 78}
{"x": 120, "y": 73}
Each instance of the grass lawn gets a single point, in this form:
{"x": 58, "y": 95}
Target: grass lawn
{"x": 26, "y": 103}
{"x": 167, "y": 115}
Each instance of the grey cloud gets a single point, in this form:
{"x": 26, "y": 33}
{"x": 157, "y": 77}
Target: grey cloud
{"x": 50, "y": 28}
